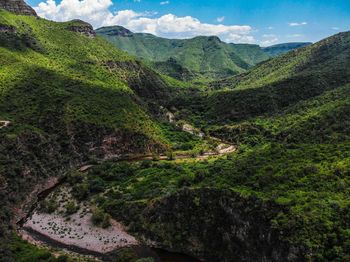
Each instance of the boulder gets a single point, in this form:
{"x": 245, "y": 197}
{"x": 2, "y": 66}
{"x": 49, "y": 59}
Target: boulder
{"x": 17, "y": 6}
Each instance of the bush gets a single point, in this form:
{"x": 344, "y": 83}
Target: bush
{"x": 81, "y": 191}
{"x": 170, "y": 155}
{"x": 155, "y": 157}
{"x": 71, "y": 208}
{"x": 100, "y": 218}
{"x": 48, "y": 206}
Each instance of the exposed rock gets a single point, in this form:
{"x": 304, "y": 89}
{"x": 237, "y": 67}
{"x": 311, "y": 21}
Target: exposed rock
{"x": 12, "y": 39}
{"x": 4, "y": 124}
{"x": 82, "y": 28}
{"x": 7, "y": 29}
{"x": 18, "y": 7}
{"x": 170, "y": 116}
{"x": 107, "y": 143}
{"x": 85, "y": 168}
{"x": 217, "y": 226}
{"x": 192, "y": 130}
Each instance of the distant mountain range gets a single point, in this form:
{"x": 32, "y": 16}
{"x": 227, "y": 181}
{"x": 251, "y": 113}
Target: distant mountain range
{"x": 201, "y": 58}
{"x": 280, "y": 49}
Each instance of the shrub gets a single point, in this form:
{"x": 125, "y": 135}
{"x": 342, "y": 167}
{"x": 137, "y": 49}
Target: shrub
{"x": 71, "y": 208}
{"x": 100, "y": 218}
{"x": 48, "y": 206}
{"x": 170, "y": 155}
{"x": 81, "y": 191}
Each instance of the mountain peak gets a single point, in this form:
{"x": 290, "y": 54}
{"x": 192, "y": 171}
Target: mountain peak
{"x": 115, "y": 31}
{"x": 17, "y": 6}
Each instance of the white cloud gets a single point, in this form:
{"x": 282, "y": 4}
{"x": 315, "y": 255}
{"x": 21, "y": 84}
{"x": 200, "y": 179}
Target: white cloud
{"x": 270, "y": 27}
{"x": 220, "y": 19}
{"x": 98, "y": 14}
{"x": 297, "y": 23}
{"x": 269, "y": 39}
{"x": 164, "y": 3}
{"x": 335, "y": 28}
{"x": 294, "y": 36}
{"x": 92, "y": 11}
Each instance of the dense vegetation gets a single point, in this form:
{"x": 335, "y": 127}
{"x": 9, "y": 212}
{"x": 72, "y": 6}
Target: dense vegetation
{"x": 280, "y": 49}
{"x": 72, "y": 98}
{"x": 197, "y": 59}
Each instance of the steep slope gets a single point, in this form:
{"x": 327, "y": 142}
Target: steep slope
{"x": 285, "y": 80}
{"x": 280, "y": 49}
{"x": 17, "y": 7}
{"x": 198, "y": 58}
{"x": 291, "y": 172}
{"x": 66, "y": 98}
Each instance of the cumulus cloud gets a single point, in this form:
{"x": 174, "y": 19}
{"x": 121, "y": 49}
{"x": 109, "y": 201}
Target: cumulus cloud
{"x": 297, "y": 23}
{"x": 97, "y": 12}
{"x": 269, "y": 39}
{"x": 164, "y": 3}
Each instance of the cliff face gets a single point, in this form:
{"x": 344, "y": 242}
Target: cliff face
{"x": 17, "y": 7}
{"x": 82, "y": 27}
{"x": 215, "y": 225}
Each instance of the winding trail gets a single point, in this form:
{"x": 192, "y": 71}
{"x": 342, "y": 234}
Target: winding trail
{"x": 77, "y": 233}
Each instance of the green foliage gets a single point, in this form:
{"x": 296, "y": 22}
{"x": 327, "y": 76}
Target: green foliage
{"x": 100, "y": 218}
{"x": 199, "y": 59}
{"x": 280, "y": 49}
{"x": 284, "y": 81}
{"x": 71, "y": 208}
{"x": 25, "y": 252}
{"x": 48, "y": 206}
{"x": 66, "y": 84}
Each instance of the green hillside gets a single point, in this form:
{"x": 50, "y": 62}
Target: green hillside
{"x": 69, "y": 98}
{"x": 280, "y": 49}
{"x": 285, "y": 80}
{"x": 290, "y": 118}
{"x": 90, "y": 121}
{"x": 200, "y": 58}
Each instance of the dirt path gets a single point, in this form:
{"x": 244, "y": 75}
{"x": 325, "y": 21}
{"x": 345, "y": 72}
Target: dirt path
{"x": 77, "y": 231}
{"x": 222, "y": 149}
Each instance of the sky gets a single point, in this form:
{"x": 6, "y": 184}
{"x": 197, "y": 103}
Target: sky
{"x": 263, "y": 22}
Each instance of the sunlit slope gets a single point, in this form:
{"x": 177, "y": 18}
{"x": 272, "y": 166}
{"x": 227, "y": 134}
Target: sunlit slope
{"x": 200, "y": 58}
{"x": 285, "y": 80}
{"x": 52, "y": 77}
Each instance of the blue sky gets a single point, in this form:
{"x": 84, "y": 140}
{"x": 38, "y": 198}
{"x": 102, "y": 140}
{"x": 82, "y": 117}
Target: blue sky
{"x": 268, "y": 21}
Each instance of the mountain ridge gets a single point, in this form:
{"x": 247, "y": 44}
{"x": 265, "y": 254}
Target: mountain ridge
{"x": 199, "y": 57}
{"x": 18, "y": 7}
{"x": 279, "y": 49}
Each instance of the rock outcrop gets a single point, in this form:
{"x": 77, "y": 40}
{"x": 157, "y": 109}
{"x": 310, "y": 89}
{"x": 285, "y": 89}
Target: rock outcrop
{"x": 17, "y": 6}
{"x": 82, "y": 28}
{"x": 117, "y": 31}
{"x": 214, "y": 225}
